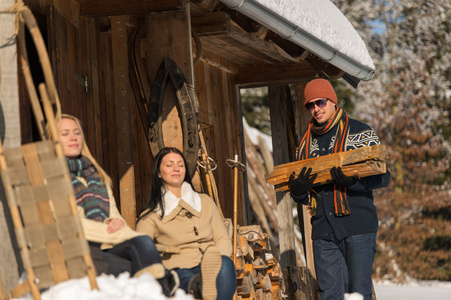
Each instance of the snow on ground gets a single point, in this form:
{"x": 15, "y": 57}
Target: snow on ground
{"x": 147, "y": 288}
{"x": 416, "y": 290}
{"x": 112, "y": 288}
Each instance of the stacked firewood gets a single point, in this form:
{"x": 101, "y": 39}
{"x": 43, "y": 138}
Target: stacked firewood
{"x": 290, "y": 282}
{"x": 262, "y": 195}
{"x": 258, "y": 272}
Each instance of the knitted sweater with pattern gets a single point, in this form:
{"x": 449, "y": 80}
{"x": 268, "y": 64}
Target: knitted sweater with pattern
{"x": 363, "y": 218}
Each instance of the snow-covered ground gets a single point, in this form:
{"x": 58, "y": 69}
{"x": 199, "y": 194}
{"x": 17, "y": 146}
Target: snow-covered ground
{"x": 146, "y": 288}
{"x": 416, "y": 290}
{"x": 110, "y": 288}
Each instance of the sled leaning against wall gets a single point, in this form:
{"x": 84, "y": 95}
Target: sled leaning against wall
{"x": 38, "y": 188}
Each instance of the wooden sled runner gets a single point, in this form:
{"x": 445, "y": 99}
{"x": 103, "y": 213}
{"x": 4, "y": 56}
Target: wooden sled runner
{"x": 40, "y": 193}
{"x": 364, "y": 161}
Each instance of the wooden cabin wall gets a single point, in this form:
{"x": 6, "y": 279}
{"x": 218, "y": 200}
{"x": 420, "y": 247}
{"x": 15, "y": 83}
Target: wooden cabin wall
{"x": 85, "y": 50}
{"x": 80, "y": 54}
{"x": 220, "y": 118}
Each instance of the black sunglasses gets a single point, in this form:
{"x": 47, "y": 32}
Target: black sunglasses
{"x": 321, "y": 103}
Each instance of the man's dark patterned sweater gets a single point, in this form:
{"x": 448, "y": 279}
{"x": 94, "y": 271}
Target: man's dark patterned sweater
{"x": 363, "y": 217}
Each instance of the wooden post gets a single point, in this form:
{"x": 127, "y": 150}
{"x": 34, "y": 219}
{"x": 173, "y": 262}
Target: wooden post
{"x": 123, "y": 119}
{"x": 235, "y": 208}
{"x": 168, "y": 36}
{"x": 9, "y": 134}
{"x": 281, "y": 156}
{"x": 303, "y": 118}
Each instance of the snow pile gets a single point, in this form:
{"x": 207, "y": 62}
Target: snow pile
{"x": 122, "y": 287}
{"x": 413, "y": 290}
{"x": 353, "y": 296}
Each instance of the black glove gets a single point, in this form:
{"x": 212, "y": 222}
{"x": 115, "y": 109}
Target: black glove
{"x": 303, "y": 183}
{"x": 339, "y": 178}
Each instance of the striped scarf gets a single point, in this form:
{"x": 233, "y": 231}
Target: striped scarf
{"x": 341, "y": 120}
{"x": 94, "y": 197}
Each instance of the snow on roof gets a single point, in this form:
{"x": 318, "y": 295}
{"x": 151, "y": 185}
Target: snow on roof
{"x": 318, "y": 26}
{"x": 323, "y": 20}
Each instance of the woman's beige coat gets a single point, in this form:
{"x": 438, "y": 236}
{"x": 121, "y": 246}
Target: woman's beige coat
{"x": 189, "y": 230}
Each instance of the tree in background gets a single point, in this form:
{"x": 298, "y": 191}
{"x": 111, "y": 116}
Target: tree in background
{"x": 408, "y": 103}
{"x": 255, "y": 106}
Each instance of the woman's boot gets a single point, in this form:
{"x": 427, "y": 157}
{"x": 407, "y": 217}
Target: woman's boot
{"x": 209, "y": 270}
{"x": 169, "y": 280}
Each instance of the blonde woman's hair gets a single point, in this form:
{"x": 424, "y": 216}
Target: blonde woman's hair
{"x": 85, "y": 151}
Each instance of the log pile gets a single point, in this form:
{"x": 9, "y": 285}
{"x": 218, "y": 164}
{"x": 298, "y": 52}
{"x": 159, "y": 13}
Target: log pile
{"x": 258, "y": 272}
{"x": 261, "y": 194}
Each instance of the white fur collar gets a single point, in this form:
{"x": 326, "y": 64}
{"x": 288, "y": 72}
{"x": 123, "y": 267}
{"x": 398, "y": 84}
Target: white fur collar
{"x": 188, "y": 195}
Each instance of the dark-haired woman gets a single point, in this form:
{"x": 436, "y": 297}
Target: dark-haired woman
{"x": 176, "y": 215}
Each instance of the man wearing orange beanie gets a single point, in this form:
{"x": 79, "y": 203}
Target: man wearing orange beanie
{"x": 344, "y": 218}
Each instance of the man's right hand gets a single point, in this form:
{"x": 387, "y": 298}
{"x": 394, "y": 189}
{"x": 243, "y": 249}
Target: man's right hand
{"x": 302, "y": 183}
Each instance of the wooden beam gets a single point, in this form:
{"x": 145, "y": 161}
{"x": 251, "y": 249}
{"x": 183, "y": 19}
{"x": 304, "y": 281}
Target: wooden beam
{"x": 330, "y": 70}
{"x": 123, "y": 119}
{"x": 207, "y": 5}
{"x": 219, "y": 62}
{"x": 281, "y": 156}
{"x": 212, "y": 24}
{"x": 265, "y": 74}
{"x": 69, "y": 9}
{"x": 268, "y": 48}
{"x": 288, "y": 46}
{"x": 96, "y": 8}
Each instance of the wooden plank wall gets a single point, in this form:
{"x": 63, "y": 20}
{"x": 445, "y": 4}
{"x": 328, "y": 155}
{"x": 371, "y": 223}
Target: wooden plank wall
{"x": 84, "y": 49}
{"x": 79, "y": 53}
{"x": 221, "y": 122}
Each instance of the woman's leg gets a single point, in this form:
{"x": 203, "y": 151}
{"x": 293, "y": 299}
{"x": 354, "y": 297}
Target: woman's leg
{"x": 191, "y": 281}
{"x": 185, "y": 276}
{"x": 145, "y": 258}
{"x": 108, "y": 263}
{"x": 141, "y": 251}
{"x": 226, "y": 280}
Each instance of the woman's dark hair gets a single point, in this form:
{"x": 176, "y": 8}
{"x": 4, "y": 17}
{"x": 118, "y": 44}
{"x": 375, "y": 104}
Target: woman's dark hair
{"x": 155, "y": 198}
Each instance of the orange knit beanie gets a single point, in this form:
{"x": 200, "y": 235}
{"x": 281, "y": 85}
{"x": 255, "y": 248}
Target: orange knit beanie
{"x": 319, "y": 88}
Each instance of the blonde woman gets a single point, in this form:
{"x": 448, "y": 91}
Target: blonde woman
{"x": 121, "y": 248}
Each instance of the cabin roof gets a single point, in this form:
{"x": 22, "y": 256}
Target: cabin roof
{"x": 317, "y": 26}
{"x": 264, "y": 41}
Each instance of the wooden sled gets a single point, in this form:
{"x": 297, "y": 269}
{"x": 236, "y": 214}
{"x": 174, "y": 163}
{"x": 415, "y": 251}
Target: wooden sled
{"x": 364, "y": 161}
{"x": 3, "y": 294}
{"x": 39, "y": 190}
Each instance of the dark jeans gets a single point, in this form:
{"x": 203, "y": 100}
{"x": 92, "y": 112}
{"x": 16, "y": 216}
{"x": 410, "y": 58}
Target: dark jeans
{"x": 345, "y": 266}
{"x": 129, "y": 256}
{"x": 225, "y": 282}
{"x": 107, "y": 263}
